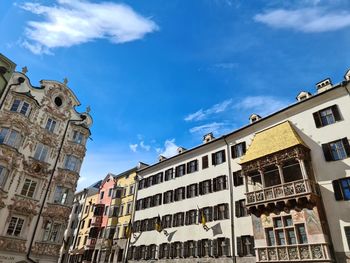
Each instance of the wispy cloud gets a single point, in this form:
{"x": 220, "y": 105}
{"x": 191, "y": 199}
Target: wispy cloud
{"x": 144, "y": 146}
{"x": 262, "y": 105}
{"x": 170, "y": 148}
{"x": 203, "y": 114}
{"x": 133, "y": 147}
{"x": 313, "y": 19}
{"x": 216, "y": 128}
{"x": 70, "y": 23}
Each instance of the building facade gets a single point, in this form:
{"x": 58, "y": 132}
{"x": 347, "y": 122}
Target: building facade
{"x": 276, "y": 190}
{"x": 7, "y": 67}
{"x": 42, "y": 146}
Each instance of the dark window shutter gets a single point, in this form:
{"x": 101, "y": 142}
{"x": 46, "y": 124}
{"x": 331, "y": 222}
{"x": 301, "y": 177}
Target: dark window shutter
{"x": 225, "y": 182}
{"x": 188, "y": 167}
{"x": 161, "y": 177}
{"x": 183, "y": 193}
{"x": 252, "y": 246}
{"x": 237, "y": 209}
{"x": 188, "y": 191}
{"x": 226, "y": 212}
{"x": 199, "y": 248}
{"x": 165, "y": 198}
{"x": 196, "y": 189}
{"x": 186, "y": 249}
{"x": 201, "y": 188}
{"x": 347, "y": 234}
{"x": 177, "y": 171}
{"x": 233, "y": 152}
{"x": 175, "y": 194}
{"x": 216, "y": 212}
{"x": 235, "y": 178}
{"x": 327, "y": 152}
{"x": 336, "y": 112}
{"x": 215, "y": 248}
{"x": 346, "y": 146}
{"x": 187, "y": 218}
{"x": 172, "y": 196}
{"x": 317, "y": 119}
{"x": 244, "y": 147}
{"x": 337, "y": 190}
{"x": 210, "y": 213}
{"x": 214, "y": 184}
{"x": 205, "y": 162}
{"x": 223, "y": 156}
{"x": 210, "y": 186}
{"x": 196, "y": 165}
{"x": 213, "y": 161}
{"x": 239, "y": 247}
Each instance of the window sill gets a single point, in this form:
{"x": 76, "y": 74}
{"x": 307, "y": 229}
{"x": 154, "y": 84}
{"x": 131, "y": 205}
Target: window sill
{"x": 27, "y": 197}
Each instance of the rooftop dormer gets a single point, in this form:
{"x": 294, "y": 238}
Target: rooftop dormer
{"x": 180, "y": 150}
{"x": 324, "y": 85}
{"x": 254, "y": 117}
{"x": 303, "y": 95}
{"x": 208, "y": 137}
{"x": 161, "y": 158}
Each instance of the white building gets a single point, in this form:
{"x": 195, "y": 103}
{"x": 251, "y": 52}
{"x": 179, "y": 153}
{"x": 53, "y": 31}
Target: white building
{"x": 296, "y": 169}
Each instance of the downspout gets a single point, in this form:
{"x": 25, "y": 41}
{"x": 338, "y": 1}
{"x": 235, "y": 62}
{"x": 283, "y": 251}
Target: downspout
{"x": 125, "y": 256}
{"x": 83, "y": 117}
{"x": 231, "y": 201}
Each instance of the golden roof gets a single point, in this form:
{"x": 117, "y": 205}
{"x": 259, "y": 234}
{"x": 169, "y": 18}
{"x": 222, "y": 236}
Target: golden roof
{"x": 271, "y": 140}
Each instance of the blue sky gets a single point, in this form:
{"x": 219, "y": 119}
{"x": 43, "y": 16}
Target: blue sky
{"x": 161, "y": 74}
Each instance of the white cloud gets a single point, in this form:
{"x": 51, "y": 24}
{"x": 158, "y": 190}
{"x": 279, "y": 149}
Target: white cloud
{"x": 203, "y": 114}
{"x": 144, "y": 146}
{"x": 170, "y": 148}
{"x": 133, "y": 147}
{"x": 226, "y": 65}
{"x": 75, "y": 22}
{"x": 262, "y": 105}
{"x": 315, "y": 19}
{"x": 215, "y": 127}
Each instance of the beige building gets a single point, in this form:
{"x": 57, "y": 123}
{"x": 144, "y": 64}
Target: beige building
{"x": 275, "y": 190}
{"x": 42, "y": 146}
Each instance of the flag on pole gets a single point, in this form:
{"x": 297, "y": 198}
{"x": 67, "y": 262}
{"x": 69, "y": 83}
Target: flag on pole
{"x": 128, "y": 230}
{"x": 158, "y": 224}
{"x": 202, "y": 215}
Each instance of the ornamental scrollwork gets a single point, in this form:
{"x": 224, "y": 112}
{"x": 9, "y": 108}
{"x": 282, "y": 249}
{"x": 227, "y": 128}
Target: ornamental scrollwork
{"x": 46, "y": 249}
{"x": 23, "y": 206}
{"x": 36, "y": 168}
{"x": 56, "y": 212}
{"x": 12, "y": 244}
{"x": 66, "y": 178}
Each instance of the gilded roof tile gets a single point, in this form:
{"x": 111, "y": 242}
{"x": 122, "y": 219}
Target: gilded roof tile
{"x": 271, "y": 140}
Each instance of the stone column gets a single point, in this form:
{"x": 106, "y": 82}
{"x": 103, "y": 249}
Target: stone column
{"x": 280, "y": 171}
{"x": 262, "y": 178}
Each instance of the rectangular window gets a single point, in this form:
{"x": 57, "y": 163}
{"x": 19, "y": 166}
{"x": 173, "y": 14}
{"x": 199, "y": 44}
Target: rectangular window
{"x": 241, "y": 209}
{"x": 205, "y": 162}
{"x": 280, "y": 237}
{"x": 245, "y": 246}
{"x": 205, "y": 187}
{"x": 3, "y": 176}
{"x": 168, "y": 197}
{"x": 110, "y": 192}
{"x": 41, "y": 152}
{"x": 192, "y": 166}
{"x": 327, "y": 116}
{"x": 131, "y": 189}
{"x": 221, "y": 212}
{"x": 61, "y": 195}
{"x": 168, "y": 174}
{"x": 78, "y": 137}
{"x": 50, "y": 125}
{"x": 10, "y": 137}
{"x": 179, "y": 194}
{"x": 128, "y": 208}
{"x": 301, "y": 233}
{"x": 238, "y": 178}
{"x": 72, "y": 163}
{"x": 15, "y": 226}
{"x": 102, "y": 195}
{"x": 218, "y": 157}
{"x": 270, "y": 237}
{"x": 28, "y": 188}
{"x": 192, "y": 190}
{"x": 238, "y": 150}
{"x": 52, "y": 232}
{"x": 291, "y": 236}
{"x": 20, "y": 107}
{"x": 180, "y": 170}
{"x": 336, "y": 150}
{"x": 220, "y": 183}
{"x": 347, "y": 234}
{"x": 342, "y": 188}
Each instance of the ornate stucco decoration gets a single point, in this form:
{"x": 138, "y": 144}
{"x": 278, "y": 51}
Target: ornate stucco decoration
{"x": 66, "y": 178}
{"x": 36, "y": 168}
{"x": 3, "y": 195}
{"x": 17, "y": 121}
{"x": 24, "y": 206}
{"x": 42, "y": 248}
{"x": 57, "y": 212}
{"x": 75, "y": 149}
{"x": 48, "y": 138}
{"x": 12, "y": 244}
{"x": 10, "y": 156}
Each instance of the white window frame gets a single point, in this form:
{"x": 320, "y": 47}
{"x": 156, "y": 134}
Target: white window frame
{"x": 17, "y": 221}
{"x": 41, "y": 152}
{"x": 52, "y": 234}
{"x": 61, "y": 195}
{"x": 20, "y": 106}
{"x": 10, "y": 137}
{"x": 72, "y": 163}
{"x": 28, "y": 190}
{"x": 3, "y": 176}
{"x": 78, "y": 137}
{"x": 51, "y": 124}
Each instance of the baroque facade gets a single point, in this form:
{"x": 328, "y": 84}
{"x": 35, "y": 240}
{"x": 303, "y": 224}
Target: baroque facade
{"x": 42, "y": 146}
{"x": 275, "y": 190}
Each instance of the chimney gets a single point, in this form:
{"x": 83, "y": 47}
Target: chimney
{"x": 254, "y": 117}
{"x": 324, "y": 85}
{"x": 180, "y": 150}
{"x": 303, "y": 95}
{"x": 208, "y": 137}
{"x": 161, "y": 158}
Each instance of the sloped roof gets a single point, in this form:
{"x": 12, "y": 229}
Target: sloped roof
{"x": 272, "y": 140}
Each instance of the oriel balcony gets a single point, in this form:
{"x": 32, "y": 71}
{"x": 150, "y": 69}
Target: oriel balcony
{"x": 96, "y": 221}
{"x": 90, "y": 243}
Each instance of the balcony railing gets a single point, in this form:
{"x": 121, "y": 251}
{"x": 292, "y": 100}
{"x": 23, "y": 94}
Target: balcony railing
{"x": 96, "y": 221}
{"x": 294, "y": 253}
{"x": 90, "y": 243}
{"x": 282, "y": 191}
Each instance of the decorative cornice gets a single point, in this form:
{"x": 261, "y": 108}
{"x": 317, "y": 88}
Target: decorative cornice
{"x": 57, "y": 212}
{"x": 48, "y": 249}
{"x": 12, "y": 244}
